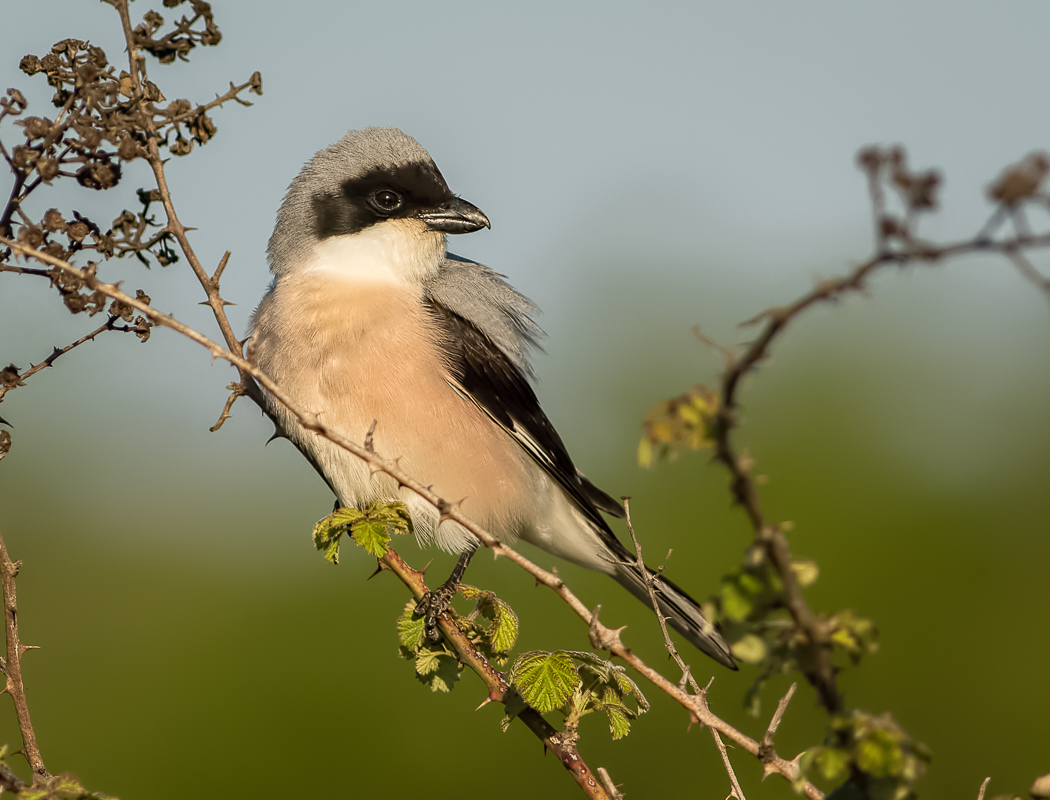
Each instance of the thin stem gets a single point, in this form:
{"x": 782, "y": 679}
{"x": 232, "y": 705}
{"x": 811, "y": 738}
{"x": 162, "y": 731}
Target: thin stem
{"x": 13, "y": 663}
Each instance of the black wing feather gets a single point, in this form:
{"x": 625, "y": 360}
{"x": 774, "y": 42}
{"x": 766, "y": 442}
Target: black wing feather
{"x": 498, "y": 386}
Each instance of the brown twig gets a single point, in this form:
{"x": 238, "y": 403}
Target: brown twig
{"x": 137, "y": 69}
{"x": 687, "y": 676}
{"x": 767, "y": 751}
{"x": 610, "y": 787}
{"x": 737, "y": 792}
{"x": 108, "y": 325}
{"x": 651, "y": 589}
{"x": 236, "y": 390}
{"x": 695, "y": 704}
{"x": 984, "y": 786}
{"x": 12, "y": 665}
{"x": 233, "y": 93}
{"x": 821, "y": 673}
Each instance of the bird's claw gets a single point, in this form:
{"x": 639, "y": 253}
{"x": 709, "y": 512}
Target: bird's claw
{"x": 432, "y": 605}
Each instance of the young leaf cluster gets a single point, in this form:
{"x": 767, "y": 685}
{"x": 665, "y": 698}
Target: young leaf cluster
{"x": 681, "y": 422}
{"x": 492, "y": 627}
{"x": 437, "y": 664}
{"x": 370, "y": 529}
{"x": 872, "y": 754}
{"x": 578, "y": 683}
{"x": 752, "y": 614}
{"x": 55, "y": 787}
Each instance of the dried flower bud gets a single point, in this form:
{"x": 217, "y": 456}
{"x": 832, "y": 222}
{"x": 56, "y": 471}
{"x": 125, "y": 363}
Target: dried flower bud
{"x": 31, "y": 236}
{"x": 90, "y": 136}
{"x": 142, "y": 328}
{"x": 15, "y": 102}
{"x": 75, "y": 302}
{"x": 77, "y": 231}
{"x": 889, "y": 226}
{"x": 23, "y": 157}
{"x": 98, "y": 175}
{"x": 130, "y": 149}
{"x": 56, "y": 250}
{"x": 36, "y": 127}
{"x": 98, "y": 57}
{"x": 153, "y": 19}
{"x": 181, "y": 146}
{"x": 1021, "y": 180}
{"x": 53, "y": 221}
{"x": 71, "y": 46}
{"x": 202, "y": 128}
{"x": 869, "y": 159}
{"x": 30, "y": 65}
{"x": 87, "y": 73}
{"x": 48, "y": 168}
{"x": 121, "y": 310}
{"x": 9, "y": 377}
{"x": 152, "y": 92}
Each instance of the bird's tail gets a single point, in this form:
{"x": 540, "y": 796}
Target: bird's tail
{"x": 682, "y": 611}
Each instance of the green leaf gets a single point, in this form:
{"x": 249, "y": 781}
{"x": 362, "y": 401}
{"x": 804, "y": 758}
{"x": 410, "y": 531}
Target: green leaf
{"x": 734, "y": 603}
{"x": 394, "y": 515}
{"x": 806, "y": 572}
{"x": 749, "y": 648}
{"x": 545, "y": 680}
{"x": 628, "y": 687}
{"x": 331, "y": 554}
{"x": 329, "y": 530}
{"x": 514, "y": 705}
{"x": 645, "y": 454}
{"x": 372, "y": 535}
{"x": 619, "y": 725}
{"x": 438, "y": 670}
{"x": 832, "y": 763}
{"x": 65, "y": 786}
{"x": 503, "y": 632}
{"x": 427, "y": 661}
{"x": 410, "y": 628}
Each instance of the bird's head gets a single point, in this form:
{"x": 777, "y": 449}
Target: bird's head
{"x": 372, "y": 204}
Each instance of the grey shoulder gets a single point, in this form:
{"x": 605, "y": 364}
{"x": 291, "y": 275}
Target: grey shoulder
{"x": 483, "y": 297}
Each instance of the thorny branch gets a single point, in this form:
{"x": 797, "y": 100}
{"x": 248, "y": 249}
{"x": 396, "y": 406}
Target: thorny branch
{"x": 766, "y": 752}
{"x": 10, "y": 378}
{"x": 137, "y": 67}
{"x": 12, "y": 666}
{"x": 896, "y": 243}
{"x": 560, "y": 744}
{"x": 605, "y": 637}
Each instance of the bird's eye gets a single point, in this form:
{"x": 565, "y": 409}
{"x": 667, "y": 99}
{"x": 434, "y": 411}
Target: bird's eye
{"x": 385, "y": 201}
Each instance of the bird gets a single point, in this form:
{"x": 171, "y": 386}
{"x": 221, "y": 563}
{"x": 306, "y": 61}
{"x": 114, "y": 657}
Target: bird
{"x": 372, "y": 325}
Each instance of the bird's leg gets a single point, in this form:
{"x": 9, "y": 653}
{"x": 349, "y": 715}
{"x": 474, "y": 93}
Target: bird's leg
{"x": 436, "y": 602}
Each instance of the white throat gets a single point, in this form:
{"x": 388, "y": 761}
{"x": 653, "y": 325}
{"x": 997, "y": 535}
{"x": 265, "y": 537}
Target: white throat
{"x": 395, "y": 251}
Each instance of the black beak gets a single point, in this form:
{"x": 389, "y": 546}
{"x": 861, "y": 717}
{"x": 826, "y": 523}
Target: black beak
{"x": 456, "y": 216}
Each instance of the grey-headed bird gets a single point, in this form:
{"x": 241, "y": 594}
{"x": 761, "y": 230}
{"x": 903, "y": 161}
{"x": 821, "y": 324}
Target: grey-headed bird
{"x": 370, "y": 319}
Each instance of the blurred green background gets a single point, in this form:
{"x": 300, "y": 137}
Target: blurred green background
{"x": 646, "y": 170}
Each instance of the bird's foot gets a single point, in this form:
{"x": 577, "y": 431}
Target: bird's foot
{"x": 433, "y": 604}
